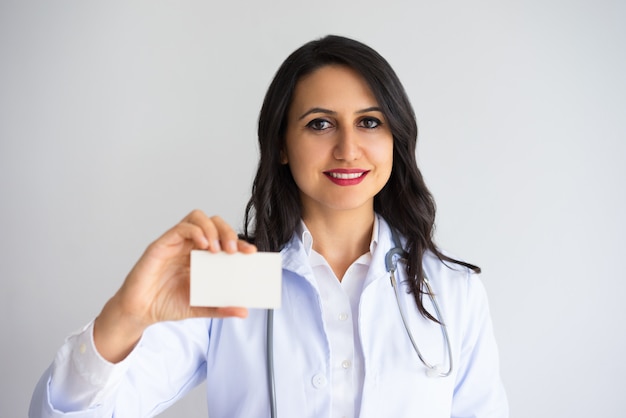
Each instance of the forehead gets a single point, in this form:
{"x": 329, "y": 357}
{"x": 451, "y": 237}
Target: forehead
{"x": 335, "y": 87}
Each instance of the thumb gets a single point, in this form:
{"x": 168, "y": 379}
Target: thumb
{"x": 221, "y": 312}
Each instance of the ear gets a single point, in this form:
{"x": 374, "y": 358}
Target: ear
{"x": 283, "y": 157}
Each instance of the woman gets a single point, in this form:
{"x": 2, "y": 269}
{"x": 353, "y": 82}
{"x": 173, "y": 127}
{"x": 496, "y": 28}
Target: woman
{"x": 336, "y": 189}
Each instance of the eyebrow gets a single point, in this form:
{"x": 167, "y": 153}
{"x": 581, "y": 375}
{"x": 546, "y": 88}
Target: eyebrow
{"x": 332, "y": 112}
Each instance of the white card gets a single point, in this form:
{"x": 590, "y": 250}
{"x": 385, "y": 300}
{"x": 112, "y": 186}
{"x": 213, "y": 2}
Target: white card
{"x": 247, "y": 280}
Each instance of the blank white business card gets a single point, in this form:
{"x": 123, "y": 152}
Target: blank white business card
{"x": 246, "y": 280}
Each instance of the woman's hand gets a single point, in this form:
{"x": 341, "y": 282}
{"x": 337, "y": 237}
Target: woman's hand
{"x": 157, "y": 288}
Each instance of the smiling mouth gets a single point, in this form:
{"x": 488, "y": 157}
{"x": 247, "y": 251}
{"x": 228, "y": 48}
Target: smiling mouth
{"x": 345, "y": 176}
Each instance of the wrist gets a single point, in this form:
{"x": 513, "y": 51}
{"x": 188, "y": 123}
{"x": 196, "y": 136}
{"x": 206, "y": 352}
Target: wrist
{"x": 116, "y": 333}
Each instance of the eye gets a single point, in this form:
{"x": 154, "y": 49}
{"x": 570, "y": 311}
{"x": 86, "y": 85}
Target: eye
{"x": 370, "y": 123}
{"x": 319, "y": 124}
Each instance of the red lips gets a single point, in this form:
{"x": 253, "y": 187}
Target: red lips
{"x": 346, "y": 176}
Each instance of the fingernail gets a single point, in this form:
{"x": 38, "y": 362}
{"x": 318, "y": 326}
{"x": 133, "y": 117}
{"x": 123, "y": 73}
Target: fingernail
{"x": 216, "y": 245}
{"x": 231, "y": 245}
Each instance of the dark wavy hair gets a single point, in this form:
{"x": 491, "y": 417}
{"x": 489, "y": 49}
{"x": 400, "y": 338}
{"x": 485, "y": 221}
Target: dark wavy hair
{"x": 274, "y": 209}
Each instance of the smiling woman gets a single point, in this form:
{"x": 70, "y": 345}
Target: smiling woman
{"x": 338, "y": 146}
{"x": 339, "y": 194}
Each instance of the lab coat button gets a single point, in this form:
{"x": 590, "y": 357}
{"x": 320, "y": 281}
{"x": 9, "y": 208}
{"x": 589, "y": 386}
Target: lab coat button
{"x": 319, "y": 381}
{"x": 346, "y": 364}
{"x": 343, "y": 316}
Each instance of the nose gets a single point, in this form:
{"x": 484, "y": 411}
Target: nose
{"x": 348, "y": 147}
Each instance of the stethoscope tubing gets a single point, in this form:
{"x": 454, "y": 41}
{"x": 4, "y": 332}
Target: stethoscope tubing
{"x": 433, "y": 370}
{"x": 271, "y": 381}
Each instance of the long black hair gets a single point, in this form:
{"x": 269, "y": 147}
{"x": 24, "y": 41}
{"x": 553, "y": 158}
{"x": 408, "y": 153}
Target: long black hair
{"x": 274, "y": 209}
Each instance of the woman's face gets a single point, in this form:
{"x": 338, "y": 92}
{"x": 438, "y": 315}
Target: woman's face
{"x": 338, "y": 144}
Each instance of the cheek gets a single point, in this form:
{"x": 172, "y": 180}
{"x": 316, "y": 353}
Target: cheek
{"x": 383, "y": 152}
{"x": 305, "y": 154}
{"x": 384, "y": 155}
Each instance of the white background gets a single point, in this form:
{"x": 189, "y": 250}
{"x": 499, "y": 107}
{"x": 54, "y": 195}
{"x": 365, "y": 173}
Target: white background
{"x": 116, "y": 119}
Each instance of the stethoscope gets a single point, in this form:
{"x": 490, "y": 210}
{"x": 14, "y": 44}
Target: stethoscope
{"x": 391, "y": 264}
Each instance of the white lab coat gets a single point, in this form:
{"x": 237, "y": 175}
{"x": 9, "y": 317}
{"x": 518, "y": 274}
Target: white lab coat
{"x": 173, "y": 357}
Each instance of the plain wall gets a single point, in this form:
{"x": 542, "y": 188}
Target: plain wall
{"x": 118, "y": 118}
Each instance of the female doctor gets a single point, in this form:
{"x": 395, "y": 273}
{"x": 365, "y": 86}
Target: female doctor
{"x": 375, "y": 320}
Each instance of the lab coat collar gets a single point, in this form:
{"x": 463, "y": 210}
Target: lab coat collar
{"x": 295, "y": 254}
{"x": 385, "y": 243}
{"x": 307, "y": 239}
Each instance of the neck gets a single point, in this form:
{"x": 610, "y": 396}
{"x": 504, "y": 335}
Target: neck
{"x": 342, "y": 237}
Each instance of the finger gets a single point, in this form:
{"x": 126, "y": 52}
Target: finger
{"x": 200, "y": 219}
{"x": 181, "y": 232}
{"x": 232, "y": 311}
{"x": 245, "y": 247}
{"x": 220, "y": 234}
{"x": 227, "y": 235}
{"x": 195, "y": 234}
{"x": 195, "y": 216}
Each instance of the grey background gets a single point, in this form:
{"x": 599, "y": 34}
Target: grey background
{"x": 118, "y": 118}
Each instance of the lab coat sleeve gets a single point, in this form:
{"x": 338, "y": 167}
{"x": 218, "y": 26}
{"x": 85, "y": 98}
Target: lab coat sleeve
{"x": 78, "y": 379}
{"x": 479, "y": 392}
{"x": 168, "y": 361}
